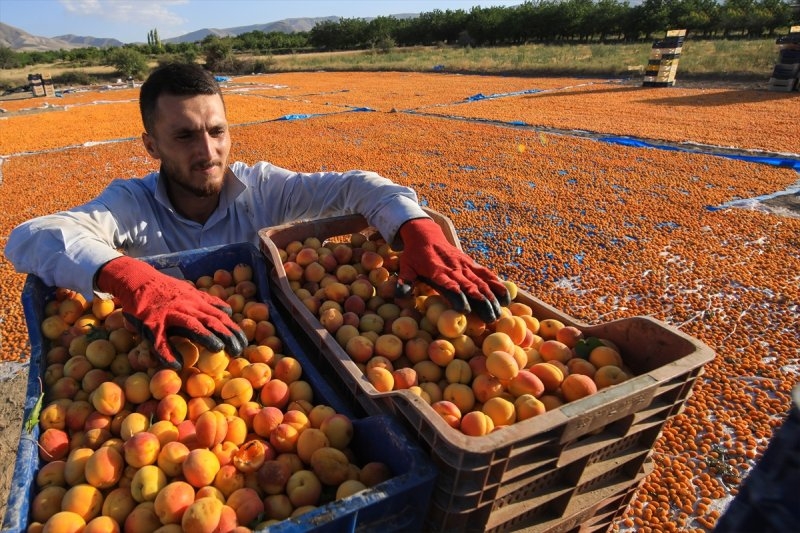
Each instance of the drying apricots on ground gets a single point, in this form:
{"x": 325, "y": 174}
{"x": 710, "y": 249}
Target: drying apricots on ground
{"x": 604, "y": 199}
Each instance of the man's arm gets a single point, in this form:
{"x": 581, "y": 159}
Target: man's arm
{"x": 395, "y": 211}
{"x": 65, "y": 249}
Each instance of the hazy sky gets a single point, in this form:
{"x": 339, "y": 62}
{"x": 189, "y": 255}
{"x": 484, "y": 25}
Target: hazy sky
{"x": 130, "y": 20}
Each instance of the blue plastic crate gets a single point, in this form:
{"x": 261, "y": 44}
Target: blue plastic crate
{"x": 398, "y": 504}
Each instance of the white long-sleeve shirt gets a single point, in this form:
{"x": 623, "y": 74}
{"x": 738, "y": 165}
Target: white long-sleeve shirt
{"x": 135, "y": 216}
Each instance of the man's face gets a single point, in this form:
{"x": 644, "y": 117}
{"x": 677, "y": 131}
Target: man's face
{"x": 190, "y": 138}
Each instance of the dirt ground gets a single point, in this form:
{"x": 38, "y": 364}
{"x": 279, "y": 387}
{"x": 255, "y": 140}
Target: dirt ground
{"x": 13, "y": 384}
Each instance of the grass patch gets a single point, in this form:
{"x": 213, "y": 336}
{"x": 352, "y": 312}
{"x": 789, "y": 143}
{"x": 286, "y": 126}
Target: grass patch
{"x": 700, "y": 59}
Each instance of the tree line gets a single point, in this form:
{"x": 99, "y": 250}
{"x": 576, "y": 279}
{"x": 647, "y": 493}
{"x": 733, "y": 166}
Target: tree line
{"x": 541, "y": 21}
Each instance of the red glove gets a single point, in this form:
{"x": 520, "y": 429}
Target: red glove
{"x": 430, "y": 258}
{"x": 160, "y": 306}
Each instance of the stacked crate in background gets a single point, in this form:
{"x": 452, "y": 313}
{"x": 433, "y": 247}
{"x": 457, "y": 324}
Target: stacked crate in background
{"x": 663, "y": 63}
{"x": 41, "y": 84}
{"x": 786, "y": 72}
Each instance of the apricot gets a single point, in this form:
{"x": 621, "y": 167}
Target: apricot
{"x": 275, "y": 393}
{"x": 147, "y": 482}
{"x": 133, "y": 423}
{"x": 549, "y": 327}
{"x": 330, "y": 465}
{"x": 569, "y": 335}
{"x": 302, "y": 488}
{"x": 527, "y": 406}
{"x": 502, "y": 365}
{"x": 237, "y": 391}
{"x": 84, "y": 500}
{"x": 476, "y": 424}
{"x": 101, "y": 352}
{"x": 200, "y": 467}
{"x": 273, "y": 476}
{"x": 171, "y": 457}
{"x": 428, "y": 371}
{"x": 553, "y": 350}
{"x": 389, "y": 346}
{"x": 211, "y": 428}
{"x": 104, "y": 467}
{"x": 137, "y": 387}
{"x": 102, "y": 524}
{"x": 228, "y": 480}
{"x": 526, "y": 382}
{"x": 608, "y": 375}
{"x": 296, "y": 418}
{"x": 360, "y": 348}
{"x": 338, "y": 428}
{"x": 513, "y": 326}
{"x": 577, "y": 365}
{"x": 550, "y": 375}
{"x": 577, "y": 386}
{"x": 404, "y": 378}
{"x": 500, "y": 410}
{"x": 212, "y": 363}
{"x": 108, "y": 398}
{"x": 287, "y": 369}
{"x": 50, "y": 474}
{"x": 141, "y": 449}
{"x": 374, "y": 473}
{"x": 449, "y": 412}
{"x": 486, "y": 386}
{"x": 53, "y": 445}
{"x": 64, "y": 522}
{"x": 202, "y": 516}
{"x": 118, "y": 504}
{"x": 246, "y": 503}
{"x": 461, "y": 395}
{"x": 47, "y": 502}
{"x": 284, "y": 438}
{"x": 605, "y": 355}
{"x": 451, "y": 323}
{"x": 551, "y": 401}
{"x": 441, "y": 352}
{"x": 497, "y": 341}
{"x": 381, "y": 378}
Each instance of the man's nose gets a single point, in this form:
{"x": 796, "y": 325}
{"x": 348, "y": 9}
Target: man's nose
{"x": 206, "y": 145}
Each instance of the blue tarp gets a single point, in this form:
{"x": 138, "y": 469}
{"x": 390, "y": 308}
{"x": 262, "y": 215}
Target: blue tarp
{"x": 772, "y": 161}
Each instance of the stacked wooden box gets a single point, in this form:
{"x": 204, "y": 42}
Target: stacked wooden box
{"x": 663, "y": 63}
{"x": 786, "y": 72}
{"x": 41, "y": 84}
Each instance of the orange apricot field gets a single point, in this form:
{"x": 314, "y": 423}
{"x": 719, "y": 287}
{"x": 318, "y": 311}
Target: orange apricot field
{"x": 600, "y": 230}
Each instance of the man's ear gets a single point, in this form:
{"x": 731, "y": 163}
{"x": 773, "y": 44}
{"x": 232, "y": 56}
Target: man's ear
{"x": 150, "y": 145}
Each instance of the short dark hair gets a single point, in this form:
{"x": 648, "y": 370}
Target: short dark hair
{"x": 177, "y": 79}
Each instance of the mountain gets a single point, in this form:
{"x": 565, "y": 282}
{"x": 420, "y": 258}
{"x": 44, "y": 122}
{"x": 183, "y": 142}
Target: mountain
{"x": 22, "y": 41}
{"x": 286, "y": 26}
{"x": 85, "y": 42}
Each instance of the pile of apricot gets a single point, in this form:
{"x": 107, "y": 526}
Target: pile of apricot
{"x": 224, "y": 444}
{"x": 479, "y": 377}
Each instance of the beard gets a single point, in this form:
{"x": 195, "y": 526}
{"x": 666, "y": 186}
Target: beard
{"x": 178, "y": 182}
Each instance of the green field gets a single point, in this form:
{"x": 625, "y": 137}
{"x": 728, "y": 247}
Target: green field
{"x": 721, "y": 60}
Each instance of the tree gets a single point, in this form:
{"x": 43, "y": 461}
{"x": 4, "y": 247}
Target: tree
{"x": 8, "y": 58}
{"x": 219, "y": 54}
{"x": 154, "y": 42}
{"x": 128, "y": 62}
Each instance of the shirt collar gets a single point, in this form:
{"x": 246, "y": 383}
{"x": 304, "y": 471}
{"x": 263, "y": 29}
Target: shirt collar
{"x": 231, "y": 190}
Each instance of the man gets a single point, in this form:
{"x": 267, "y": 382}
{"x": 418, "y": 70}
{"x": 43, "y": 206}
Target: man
{"x": 197, "y": 200}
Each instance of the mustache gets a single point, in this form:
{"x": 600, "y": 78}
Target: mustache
{"x": 203, "y": 165}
